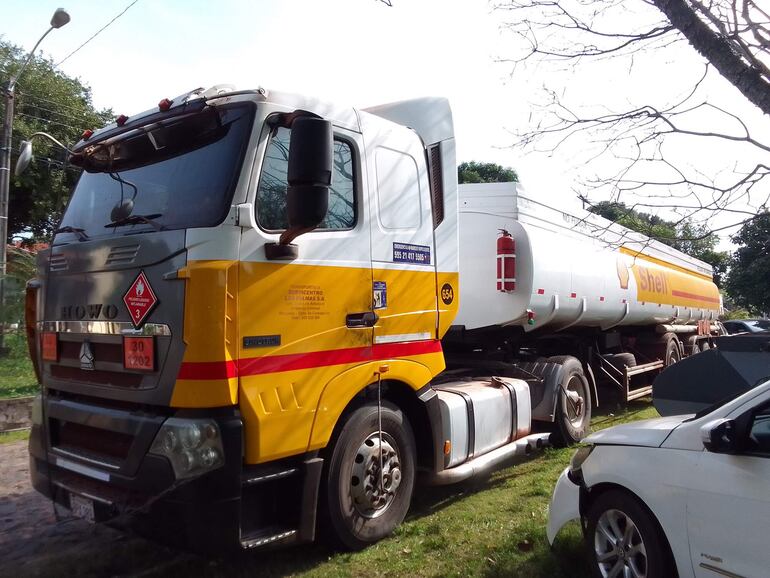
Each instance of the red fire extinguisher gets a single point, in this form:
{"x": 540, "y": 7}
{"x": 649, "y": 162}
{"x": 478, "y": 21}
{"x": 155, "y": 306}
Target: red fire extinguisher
{"x": 506, "y": 262}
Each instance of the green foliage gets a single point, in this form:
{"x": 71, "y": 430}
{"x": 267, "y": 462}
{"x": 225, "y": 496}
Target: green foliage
{"x": 46, "y": 100}
{"x": 736, "y": 314}
{"x": 18, "y": 377}
{"x": 694, "y": 240}
{"x": 21, "y": 268}
{"x": 473, "y": 172}
{"x": 750, "y": 265}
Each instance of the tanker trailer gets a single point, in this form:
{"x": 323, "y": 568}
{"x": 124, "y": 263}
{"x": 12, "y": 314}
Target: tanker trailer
{"x": 572, "y": 303}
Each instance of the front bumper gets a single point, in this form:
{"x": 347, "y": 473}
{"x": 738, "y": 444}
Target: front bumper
{"x": 565, "y": 505}
{"x": 138, "y": 490}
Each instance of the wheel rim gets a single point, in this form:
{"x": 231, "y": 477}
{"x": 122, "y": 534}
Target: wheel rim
{"x": 370, "y": 498}
{"x": 618, "y": 547}
{"x": 575, "y": 405}
{"x": 672, "y": 355}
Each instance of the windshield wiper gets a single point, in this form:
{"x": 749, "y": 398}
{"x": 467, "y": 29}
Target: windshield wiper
{"x": 81, "y": 233}
{"x": 137, "y": 219}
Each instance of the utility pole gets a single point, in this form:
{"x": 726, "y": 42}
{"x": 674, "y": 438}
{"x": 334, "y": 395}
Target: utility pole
{"x": 59, "y": 19}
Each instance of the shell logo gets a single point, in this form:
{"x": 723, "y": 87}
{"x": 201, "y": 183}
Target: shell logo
{"x": 622, "y": 268}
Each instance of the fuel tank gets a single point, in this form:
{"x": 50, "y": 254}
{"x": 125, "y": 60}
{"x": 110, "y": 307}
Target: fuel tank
{"x": 569, "y": 269}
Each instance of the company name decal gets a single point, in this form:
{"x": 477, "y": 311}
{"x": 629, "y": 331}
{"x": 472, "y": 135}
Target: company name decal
{"x": 658, "y": 285}
{"x": 653, "y": 280}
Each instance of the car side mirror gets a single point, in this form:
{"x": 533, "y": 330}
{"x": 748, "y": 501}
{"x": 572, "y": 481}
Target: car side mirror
{"x": 720, "y": 436}
{"x": 309, "y": 175}
{"x": 25, "y": 157}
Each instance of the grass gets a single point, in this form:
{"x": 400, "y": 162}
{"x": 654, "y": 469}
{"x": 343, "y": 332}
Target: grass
{"x": 491, "y": 528}
{"x": 14, "y": 436}
{"x": 17, "y": 378}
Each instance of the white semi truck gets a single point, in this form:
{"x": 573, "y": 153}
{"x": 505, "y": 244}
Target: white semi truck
{"x": 263, "y": 314}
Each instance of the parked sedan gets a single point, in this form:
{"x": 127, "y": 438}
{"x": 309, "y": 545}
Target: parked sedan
{"x": 684, "y": 494}
{"x": 746, "y": 325}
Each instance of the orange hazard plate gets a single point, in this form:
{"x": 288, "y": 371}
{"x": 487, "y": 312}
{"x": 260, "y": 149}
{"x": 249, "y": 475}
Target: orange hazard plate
{"x": 139, "y": 353}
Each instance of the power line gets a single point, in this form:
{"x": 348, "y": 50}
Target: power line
{"x": 48, "y": 100}
{"x": 37, "y": 107}
{"x": 97, "y": 33}
{"x": 48, "y": 121}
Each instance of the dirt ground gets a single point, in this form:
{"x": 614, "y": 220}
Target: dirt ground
{"x": 34, "y": 543}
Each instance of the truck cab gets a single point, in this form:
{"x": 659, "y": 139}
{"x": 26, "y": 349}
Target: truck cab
{"x": 239, "y": 318}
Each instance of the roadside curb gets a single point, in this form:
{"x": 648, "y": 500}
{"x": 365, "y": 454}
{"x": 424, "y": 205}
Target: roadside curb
{"x": 16, "y": 413}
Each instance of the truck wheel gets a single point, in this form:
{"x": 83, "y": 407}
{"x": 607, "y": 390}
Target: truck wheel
{"x": 573, "y": 403}
{"x": 623, "y": 538}
{"x": 358, "y": 507}
{"x": 673, "y": 352}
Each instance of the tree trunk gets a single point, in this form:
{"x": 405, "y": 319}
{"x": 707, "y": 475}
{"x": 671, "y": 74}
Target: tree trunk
{"x": 717, "y": 50}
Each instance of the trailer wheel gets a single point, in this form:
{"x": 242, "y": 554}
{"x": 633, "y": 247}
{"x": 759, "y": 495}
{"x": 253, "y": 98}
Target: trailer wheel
{"x": 357, "y": 508}
{"x": 673, "y": 352}
{"x": 573, "y": 403}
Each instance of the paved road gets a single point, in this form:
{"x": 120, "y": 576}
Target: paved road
{"x": 34, "y": 543}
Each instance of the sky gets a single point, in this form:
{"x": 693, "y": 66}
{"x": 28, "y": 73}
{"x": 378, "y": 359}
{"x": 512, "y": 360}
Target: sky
{"x": 356, "y": 52}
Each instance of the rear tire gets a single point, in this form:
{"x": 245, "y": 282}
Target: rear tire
{"x": 355, "y": 510}
{"x": 623, "y": 537}
{"x": 573, "y": 403}
{"x": 673, "y": 353}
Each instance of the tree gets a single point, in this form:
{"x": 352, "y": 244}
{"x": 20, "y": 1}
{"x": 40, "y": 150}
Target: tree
{"x": 747, "y": 283}
{"x": 638, "y": 147}
{"x": 475, "y": 172}
{"x": 46, "y": 100}
{"x": 694, "y": 240}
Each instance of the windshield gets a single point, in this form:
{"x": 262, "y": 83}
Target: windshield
{"x": 759, "y": 324}
{"x": 176, "y": 174}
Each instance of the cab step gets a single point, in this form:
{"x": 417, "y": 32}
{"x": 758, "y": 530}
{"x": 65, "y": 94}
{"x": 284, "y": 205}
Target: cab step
{"x": 268, "y": 537}
{"x": 267, "y": 475}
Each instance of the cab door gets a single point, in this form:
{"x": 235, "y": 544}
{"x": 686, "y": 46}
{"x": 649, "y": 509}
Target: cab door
{"x": 301, "y": 322}
{"x": 403, "y": 252}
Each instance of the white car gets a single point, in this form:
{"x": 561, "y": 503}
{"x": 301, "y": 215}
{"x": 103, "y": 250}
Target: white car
{"x": 686, "y": 495}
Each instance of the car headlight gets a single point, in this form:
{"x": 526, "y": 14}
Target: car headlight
{"x": 193, "y": 446}
{"x": 580, "y": 456}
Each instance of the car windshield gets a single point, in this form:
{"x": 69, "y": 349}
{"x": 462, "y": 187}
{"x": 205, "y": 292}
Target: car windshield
{"x": 714, "y": 406}
{"x": 176, "y": 174}
{"x": 759, "y": 324}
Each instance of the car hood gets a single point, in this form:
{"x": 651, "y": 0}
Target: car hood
{"x": 648, "y": 432}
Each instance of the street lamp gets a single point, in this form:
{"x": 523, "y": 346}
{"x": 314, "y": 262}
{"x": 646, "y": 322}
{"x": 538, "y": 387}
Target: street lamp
{"x": 59, "y": 19}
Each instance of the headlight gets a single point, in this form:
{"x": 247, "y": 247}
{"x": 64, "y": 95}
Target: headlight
{"x": 193, "y": 446}
{"x": 580, "y": 456}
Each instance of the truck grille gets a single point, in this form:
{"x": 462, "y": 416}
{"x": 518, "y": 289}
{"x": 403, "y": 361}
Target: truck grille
{"x": 100, "y": 377}
{"x": 89, "y": 442}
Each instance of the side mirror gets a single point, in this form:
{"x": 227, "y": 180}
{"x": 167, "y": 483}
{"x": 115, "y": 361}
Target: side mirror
{"x": 309, "y": 175}
{"x": 720, "y": 436}
{"x": 25, "y": 157}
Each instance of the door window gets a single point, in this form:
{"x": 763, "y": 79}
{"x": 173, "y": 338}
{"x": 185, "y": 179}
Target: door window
{"x": 271, "y": 194}
{"x": 759, "y": 434}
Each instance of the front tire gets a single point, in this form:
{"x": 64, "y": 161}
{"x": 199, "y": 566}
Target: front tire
{"x": 573, "y": 403}
{"x": 623, "y": 539}
{"x": 358, "y": 509}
